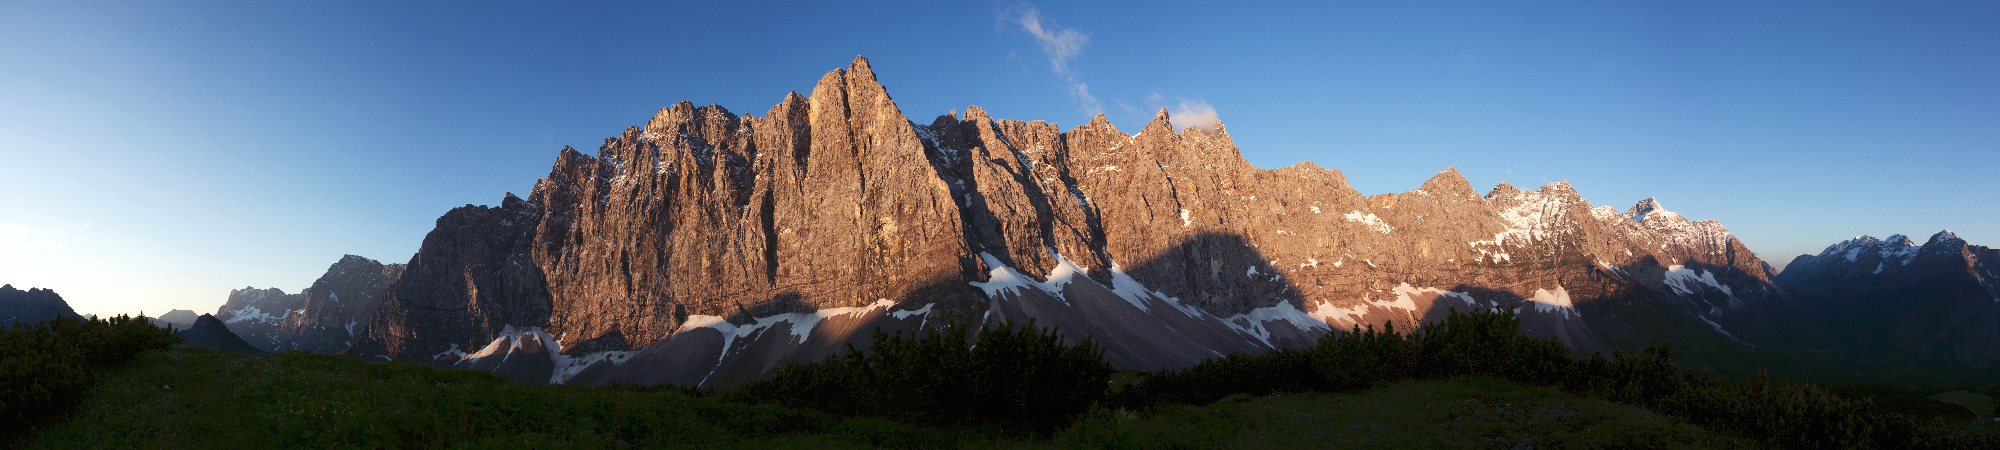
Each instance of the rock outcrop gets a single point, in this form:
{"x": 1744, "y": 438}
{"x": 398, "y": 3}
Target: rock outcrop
{"x": 324, "y": 318}
{"x": 705, "y": 247}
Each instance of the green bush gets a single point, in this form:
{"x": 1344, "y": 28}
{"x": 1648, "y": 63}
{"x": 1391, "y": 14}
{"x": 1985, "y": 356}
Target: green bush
{"x": 1480, "y": 343}
{"x": 44, "y": 367}
{"x": 1014, "y": 377}
{"x": 1277, "y": 371}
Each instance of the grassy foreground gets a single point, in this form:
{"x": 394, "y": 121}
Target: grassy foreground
{"x": 196, "y": 397}
{"x": 1470, "y": 412}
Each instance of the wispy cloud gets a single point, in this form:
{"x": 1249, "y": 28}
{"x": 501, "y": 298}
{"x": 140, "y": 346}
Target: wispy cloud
{"x": 1193, "y": 113}
{"x": 1186, "y": 113}
{"x": 1059, "y": 44}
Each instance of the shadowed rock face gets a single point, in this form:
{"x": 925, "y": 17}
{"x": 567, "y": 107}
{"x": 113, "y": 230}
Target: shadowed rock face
{"x": 710, "y": 246}
{"x": 213, "y": 333}
{"x": 207, "y": 331}
{"x": 31, "y": 306}
{"x": 324, "y": 318}
{"x": 1937, "y": 301}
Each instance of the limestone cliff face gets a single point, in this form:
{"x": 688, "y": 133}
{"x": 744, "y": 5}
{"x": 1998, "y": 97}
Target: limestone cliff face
{"x": 705, "y": 236}
{"x": 324, "y": 318}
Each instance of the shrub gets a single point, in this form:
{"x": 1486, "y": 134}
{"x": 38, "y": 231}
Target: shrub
{"x": 1277, "y": 371}
{"x": 1015, "y": 377}
{"x": 44, "y": 367}
{"x": 1479, "y": 343}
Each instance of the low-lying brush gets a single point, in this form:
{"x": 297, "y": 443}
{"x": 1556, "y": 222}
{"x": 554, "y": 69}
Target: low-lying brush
{"x": 45, "y": 367}
{"x": 1014, "y": 377}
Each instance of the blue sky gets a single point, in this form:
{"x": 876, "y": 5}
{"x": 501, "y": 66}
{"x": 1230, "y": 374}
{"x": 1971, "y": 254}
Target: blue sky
{"x": 157, "y": 154}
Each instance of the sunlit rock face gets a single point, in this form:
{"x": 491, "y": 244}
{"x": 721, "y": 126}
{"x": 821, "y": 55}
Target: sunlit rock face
{"x": 324, "y": 318}
{"x": 707, "y": 247}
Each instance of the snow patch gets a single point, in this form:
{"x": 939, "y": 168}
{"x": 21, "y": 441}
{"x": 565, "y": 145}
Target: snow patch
{"x": 1185, "y": 221}
{"x": 450, "y": 351}
{"x": 1128, "y": 288}
{"x": 1553, "y": 301}
{"x": 1004, "y": 279}
{"x": 1680, "y": 278}
{"x": 925, "y": 311}
{"x": 1718, "y": 329}
{"x": 1369, "y": 220}
{"x": 802, "y": 324}
{"x": 252, "y": 313}
{"x": 1404, "y": 300}
{"x": 1315, "y": 210}
{"x": 1252, "y": 323}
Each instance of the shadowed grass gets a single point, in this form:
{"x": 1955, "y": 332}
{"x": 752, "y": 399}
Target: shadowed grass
{"x": 1473, "y": 412}
{"x": 201, "y": 398}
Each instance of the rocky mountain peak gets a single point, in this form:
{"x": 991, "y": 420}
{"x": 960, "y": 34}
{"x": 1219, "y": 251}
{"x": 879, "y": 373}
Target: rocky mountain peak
{"x": 1650, "y": 207}
{"x": 1450, "y": 183}
{"x": 323, "y": 318}
{"x": 1944, "y": 237}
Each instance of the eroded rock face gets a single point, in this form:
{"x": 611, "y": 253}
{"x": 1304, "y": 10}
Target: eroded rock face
{"x": 747, "y": 226}
{"x": 324, "y": 318}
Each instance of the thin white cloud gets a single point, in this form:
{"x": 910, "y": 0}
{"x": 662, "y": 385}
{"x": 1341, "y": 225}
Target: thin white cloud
{"x": 1059, "y": 44}
{"x": 1193, "y": 113}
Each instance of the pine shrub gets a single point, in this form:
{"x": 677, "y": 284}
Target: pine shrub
{"x": 1015, "y": 377}
{"x": 1277, "y": 371}
{"x": 44, "y": 367}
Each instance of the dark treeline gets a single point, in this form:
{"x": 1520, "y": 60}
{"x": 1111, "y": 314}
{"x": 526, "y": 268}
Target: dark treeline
{"x": 1011, "y": 377}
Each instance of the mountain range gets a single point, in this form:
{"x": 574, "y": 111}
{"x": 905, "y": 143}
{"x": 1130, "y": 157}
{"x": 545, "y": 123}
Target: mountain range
{"x": 706, "y": 248}
{"x": 30, "y": 306}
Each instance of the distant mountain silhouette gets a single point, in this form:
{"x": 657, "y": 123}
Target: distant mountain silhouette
{"x": 31, "y": 306}
{"x": 210, "y": 332}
